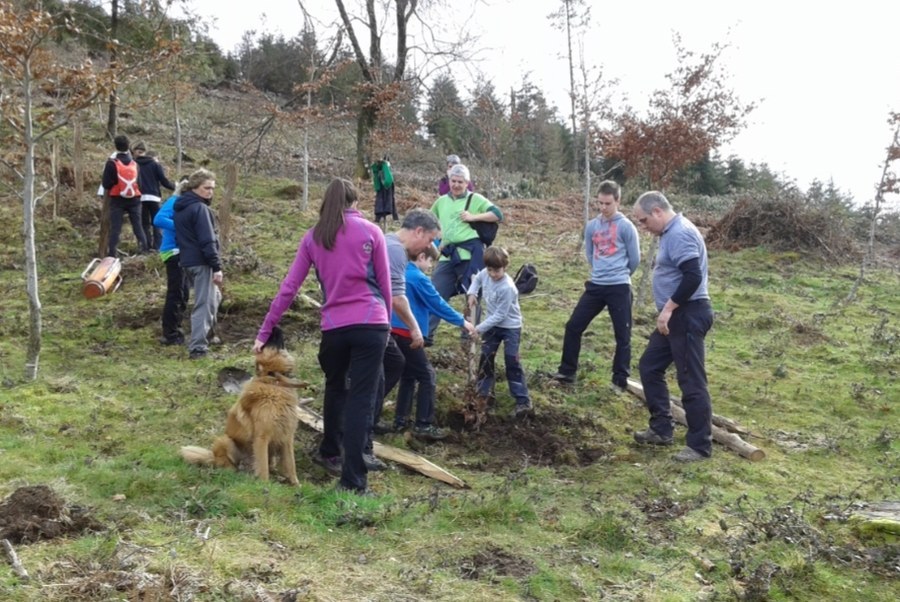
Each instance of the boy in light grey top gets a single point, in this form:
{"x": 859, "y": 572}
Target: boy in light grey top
{"x": 502, "y": 325}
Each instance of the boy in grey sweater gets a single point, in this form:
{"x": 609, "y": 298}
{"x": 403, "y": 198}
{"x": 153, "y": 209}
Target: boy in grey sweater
{"x": 502, "y": 324}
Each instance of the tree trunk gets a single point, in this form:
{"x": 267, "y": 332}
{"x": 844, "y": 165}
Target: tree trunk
{"x": 227, "y": 206}
{"x": 304, "y": 203}
{"x": 112, "y": 124}
{"x": 77, "y": 162}
{"x": 572, "y": 85}
{"x": 103, "y": 242}
{"x": 33, "y": 352}
{"x": 644, "y": 284}
{"x": 364, "y": 125}
{"x": 179, "y": 153}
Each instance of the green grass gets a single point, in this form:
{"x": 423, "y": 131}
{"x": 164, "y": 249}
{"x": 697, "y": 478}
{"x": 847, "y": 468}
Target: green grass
{"x": 815, "y": 379}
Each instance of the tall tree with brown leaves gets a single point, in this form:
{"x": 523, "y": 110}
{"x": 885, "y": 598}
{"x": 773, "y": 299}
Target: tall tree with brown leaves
{"x": 696, "y": 114}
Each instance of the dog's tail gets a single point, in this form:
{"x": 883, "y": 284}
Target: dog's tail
{"x": 197, "y": 455}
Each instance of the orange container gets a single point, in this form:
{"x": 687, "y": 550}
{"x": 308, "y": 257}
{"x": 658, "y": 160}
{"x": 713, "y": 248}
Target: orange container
{"x": 104, "y": 279}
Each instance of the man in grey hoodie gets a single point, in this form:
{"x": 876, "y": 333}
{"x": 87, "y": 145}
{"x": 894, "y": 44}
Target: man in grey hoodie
{"x": 613, "y": 252}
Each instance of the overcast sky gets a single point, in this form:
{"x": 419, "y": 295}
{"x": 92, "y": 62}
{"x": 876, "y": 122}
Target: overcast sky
{"x": 825, "y": 77}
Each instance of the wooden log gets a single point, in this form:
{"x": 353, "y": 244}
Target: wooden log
{"x": 401, "y": 456}
{"x": 14, "y": 561}
{"x": 720, "y": 421}
{"x": 730, "y": 440}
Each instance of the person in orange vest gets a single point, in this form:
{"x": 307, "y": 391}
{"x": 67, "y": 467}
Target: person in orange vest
{"x": 120, "y": 178}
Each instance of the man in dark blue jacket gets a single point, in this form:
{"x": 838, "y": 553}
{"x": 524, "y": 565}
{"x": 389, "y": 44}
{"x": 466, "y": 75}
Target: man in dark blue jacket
{"x": 198, "y": 244}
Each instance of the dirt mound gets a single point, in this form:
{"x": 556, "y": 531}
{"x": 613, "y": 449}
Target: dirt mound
{"x": 492, "y": 563}
{"x": 781, "y": 224}
{"x": 553, "y": 437}
{"x": 36, "y": 512}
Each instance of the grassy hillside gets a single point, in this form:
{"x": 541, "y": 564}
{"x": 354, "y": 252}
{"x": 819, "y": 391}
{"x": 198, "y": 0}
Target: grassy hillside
{"x": 565, "y": 507}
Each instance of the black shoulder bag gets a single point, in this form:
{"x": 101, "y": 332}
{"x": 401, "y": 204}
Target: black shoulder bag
{"x": 487, "y": 231}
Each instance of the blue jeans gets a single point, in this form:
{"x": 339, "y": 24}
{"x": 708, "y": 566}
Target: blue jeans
{"x": 418, "y": 371}
{"x": 515, "y": 376}
{"x": 351, "y": 359}
{"x": 684, "y": 346}
{"x": 596, "y": 297}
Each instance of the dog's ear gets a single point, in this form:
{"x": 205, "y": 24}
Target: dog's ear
{"x": 276, "y": 339}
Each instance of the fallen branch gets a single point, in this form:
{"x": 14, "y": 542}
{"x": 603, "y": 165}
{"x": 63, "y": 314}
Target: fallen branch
{"x": 728, "y": 424}
{"x": 401, "y": 456}
{"x": 13, "y": 558}
{"x": 730, "y": 440}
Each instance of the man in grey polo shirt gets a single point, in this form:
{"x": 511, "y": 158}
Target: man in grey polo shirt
{"x": 680, "y": 290}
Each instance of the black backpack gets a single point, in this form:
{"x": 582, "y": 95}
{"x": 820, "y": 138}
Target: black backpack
{"x": 487, "y": 231}
{"x": 526, "y": 278}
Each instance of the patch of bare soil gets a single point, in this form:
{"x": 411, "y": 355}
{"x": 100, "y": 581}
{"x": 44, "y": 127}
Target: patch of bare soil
{"x": 34, "y": 513}
{"x": 552, "y": 437}
{"x": 493, "y": 562}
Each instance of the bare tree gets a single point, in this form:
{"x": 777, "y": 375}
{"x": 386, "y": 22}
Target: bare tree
{"x": 384, "y": 85}
{"x": 572, "y": 15}
{"x": 889, "y": 184}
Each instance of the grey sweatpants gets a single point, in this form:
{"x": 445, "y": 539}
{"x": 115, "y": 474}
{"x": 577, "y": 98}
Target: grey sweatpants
{"x": 207, "y": 297}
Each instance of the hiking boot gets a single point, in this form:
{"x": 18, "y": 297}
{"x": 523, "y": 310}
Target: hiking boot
{"x": 688, "y": 454}
{"x": 429, "y": 433}
{"x": 652, "y": 438}
{"x": 168, "y": 341}
{"x": 566, "y": 379}
{"x": 523, "y": 410}
{"x": 331, "y": 464}
{"x": 617, "y": 389}
{"x": 384, "y": 428}
{"x": 373, "y": 463}
{"x": 198, "y": 354}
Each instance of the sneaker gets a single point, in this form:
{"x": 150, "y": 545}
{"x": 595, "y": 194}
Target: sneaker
{"x": 429, "y": 433}
{"x": 168, "y": 341}
{"x": 689, "y": 455}
{"x": 198, "y": 354}
{"x": 523, "y": 410}
{"x": 567, "y": 379}
{"x": 373, "y": 463}
{"x": 617, "y": 389}
{"x": 651, "y": 437}
{"x": 331, "y": 464}
{"x": 214, "y": 340}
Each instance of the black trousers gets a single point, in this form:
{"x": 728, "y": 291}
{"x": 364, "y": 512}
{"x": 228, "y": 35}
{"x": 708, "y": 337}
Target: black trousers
{"x": 177, "y": 293}
{"x": 118, "y": 207}
{"x": 351, "y": 359}
{"x": 392, "y": 365}
{"x": 596, "y": 297}
{"x": 685, "y": 347}
{"x": 149, "y": 209}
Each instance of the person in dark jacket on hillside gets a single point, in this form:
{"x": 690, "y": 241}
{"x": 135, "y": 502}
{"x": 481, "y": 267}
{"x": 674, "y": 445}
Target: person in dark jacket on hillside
{"x": 198, "y": 246}
{"x": 120, "y": 175}
{"x": 177, "y": 290}
{"x": 150, "y": 176}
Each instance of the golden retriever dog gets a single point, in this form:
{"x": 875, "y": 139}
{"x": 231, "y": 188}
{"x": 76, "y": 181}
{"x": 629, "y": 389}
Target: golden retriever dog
{"x": 260, "y": 426}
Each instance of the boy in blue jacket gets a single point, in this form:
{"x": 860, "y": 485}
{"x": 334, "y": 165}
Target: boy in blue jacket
{"x": 424, "y": 301}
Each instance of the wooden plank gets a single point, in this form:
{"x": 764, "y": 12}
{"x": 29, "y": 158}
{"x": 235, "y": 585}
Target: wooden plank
{"x": 407, "y": 458}
{"x": 730, "y": 440}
